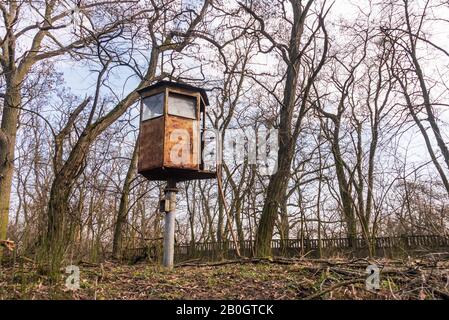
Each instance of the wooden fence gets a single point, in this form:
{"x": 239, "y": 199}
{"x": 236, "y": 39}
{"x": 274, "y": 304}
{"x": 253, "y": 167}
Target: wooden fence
{"x": 383, "y": 246}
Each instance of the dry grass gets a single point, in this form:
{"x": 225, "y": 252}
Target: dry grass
{"x": 260, "y": 279}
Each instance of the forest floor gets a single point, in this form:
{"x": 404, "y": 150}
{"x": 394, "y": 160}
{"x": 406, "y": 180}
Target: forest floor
{"x": 420, "y": 278}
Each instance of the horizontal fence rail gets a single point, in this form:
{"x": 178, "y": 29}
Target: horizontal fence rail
{"x": 380, "y": 242}
{"x": 280, "y": 247}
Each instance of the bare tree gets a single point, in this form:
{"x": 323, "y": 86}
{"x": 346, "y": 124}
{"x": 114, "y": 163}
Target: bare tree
{"x": 293, "y": 55}
{"x": 16, "y": 64}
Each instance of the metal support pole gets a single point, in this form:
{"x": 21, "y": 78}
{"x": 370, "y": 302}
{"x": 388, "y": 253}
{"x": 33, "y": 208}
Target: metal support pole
{"x": 169, "y": 232}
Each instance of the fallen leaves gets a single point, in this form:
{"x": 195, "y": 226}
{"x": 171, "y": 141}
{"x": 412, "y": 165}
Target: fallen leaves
{"x": 247, "y": 279}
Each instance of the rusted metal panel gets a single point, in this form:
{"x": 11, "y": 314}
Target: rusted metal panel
{"x": 182, "y": 140}
{"x": 170, "y": 146}
{"x": 151, "y": 144}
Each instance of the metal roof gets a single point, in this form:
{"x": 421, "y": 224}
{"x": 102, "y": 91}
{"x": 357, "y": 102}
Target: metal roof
{"x": 172, "y": 84}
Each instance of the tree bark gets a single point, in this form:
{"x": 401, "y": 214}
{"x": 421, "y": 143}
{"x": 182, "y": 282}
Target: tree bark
{"x": 344, "y": 188}
{"x": 8, "y": 133}
{"x": 122, "y": 213}
{"x": 277, "y": 187}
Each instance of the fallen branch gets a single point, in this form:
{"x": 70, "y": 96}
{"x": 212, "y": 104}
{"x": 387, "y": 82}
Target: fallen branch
{"x": 215, "y": 264}
{"x": 338, "y": 285}
{"x": 443, "y": 294}
{"x": 188, "y": 262}
{"x": 237, "y": 261}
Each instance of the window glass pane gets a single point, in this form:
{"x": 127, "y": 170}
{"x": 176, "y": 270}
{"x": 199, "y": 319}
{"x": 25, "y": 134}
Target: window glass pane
{"x": 153, "y": 107}
{"x": 181, "y": 105}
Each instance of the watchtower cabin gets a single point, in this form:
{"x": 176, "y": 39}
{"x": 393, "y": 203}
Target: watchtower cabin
{"x": 171, "y": 126}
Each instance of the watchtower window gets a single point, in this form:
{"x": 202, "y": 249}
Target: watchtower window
{"x": 153, "y": 107}
{"x": 182, "y": 105}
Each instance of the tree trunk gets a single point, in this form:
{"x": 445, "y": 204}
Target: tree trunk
{"x": 344, "y": 188}
{"x": 124, "y": 205}
{"x": 426, "y": 137}
{"x": 276, "y": 191}
{"x": 8, "y": 132}
{"x": 239, "y": 224}
{"x": 425, "y": 91}
{"x": 58, "y": 231}
{"x": 277, "y": 187}
{"x": 284, "y": 227}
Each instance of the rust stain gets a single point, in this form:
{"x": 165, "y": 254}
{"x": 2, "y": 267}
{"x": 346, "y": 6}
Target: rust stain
{"x": 181, "y": 143}
{"x": 151, "y": 148}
